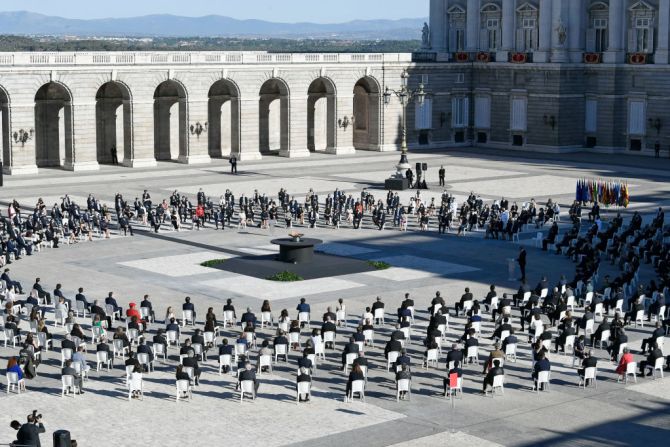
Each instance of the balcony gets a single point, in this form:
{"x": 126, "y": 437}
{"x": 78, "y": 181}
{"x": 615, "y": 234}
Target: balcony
{"x": 593, "y": 58}
{"x": 639, "y": 58}
{"x": 520, "y": 57}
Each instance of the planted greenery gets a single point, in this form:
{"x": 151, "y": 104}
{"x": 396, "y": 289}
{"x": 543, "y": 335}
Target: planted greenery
{"x": 212, "y": 263}
{"x": 285, "y": 276}
{"x": 379, "y": 265}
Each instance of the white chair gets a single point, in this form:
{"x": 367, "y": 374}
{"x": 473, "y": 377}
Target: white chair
{"x": 65, "y": 354}
{"x": 604, "y": 338}
{"x": 14, "y": 382}
{"x": 349, "y": 361}
{"x": 184, "y": 390}
{"x": 341, "y": 317}
{"x": 391, "y": 359}
{"x": 97, "y": 333}
{"x": 589, "y": 329}
{"x": 357, "y": 386}
{"x": 598, "y": 311}
{"x": 320, "y": 350}
{"x": 510, "y": 352}
{"x": 228, "y": 318}
{"x": 543, "y": 377}
{"x": 369, "y": 335}
{"x": 225, "y": 360}
{"x": 263, "y": 361}
{"x": 44, "y": 341}
{"x": 247, "y": 387}
{"x": 187, "y": 318}
{"x": 570, "y": 303}
{"x": 639, "y": 317}
{"x": 569, "y": 342}
{"x": 631, "y": 370}
{"x": 403, "y": 385}
{"x": 109, "y": 310}
{"x": 473, "y": 354}
{"x": 660, "y": 314}
{"x": 539, "y": 237}
{"x": 68, "y": 385}
{"x": 9, "y": 336}
{"x": 119, "y": 349}
{"x": 135, "y": 384}
{"x": 294, "y": 338}
{"x": 547, "y": 345}
{"x": 172, "y": 338}
{"x": 144, "y": 359}
{"x": 199, "y": 351}
{"x": 266, "y": 319}
{"x": 658, "y": 366}
{"x": 281, "y": 350}
{"x": 80, "y": 308}
{"x": 102, "y": 358}
{"x": 498, "y": 384}
{"x": 379, "y": 316}
{"x": 304, "y": 389}
{"x": 240, "y": 350}
{"x": 134, "y": 336}
{"x": 210, "y": 338}
{"x": 59, "y": 317}
{"x": 329, "y": 337}
{"x": 408, "y": 334}
{"x": 303, "y": 317}
{"x": 431, "y": 357}
{"x": 145, "y": 313}
{"x": 589, "y": 374}
{"x": 159, "y": 351}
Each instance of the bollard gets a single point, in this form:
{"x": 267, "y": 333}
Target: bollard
{"x": 62, "y": 438}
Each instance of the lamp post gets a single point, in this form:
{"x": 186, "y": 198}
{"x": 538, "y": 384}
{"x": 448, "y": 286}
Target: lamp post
{"x": 405, "y": 95}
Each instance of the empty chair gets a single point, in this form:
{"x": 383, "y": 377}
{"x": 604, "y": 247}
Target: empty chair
{"x": 431, "y": 357}
{"x": 569, "y": 343}
{"x": 357, "y": 386}
{"x": 109, "y": 310}
{"x": 589, "y": 374}
{"x": 598, "y": 311}
{"x": 159, "y": 350}
{"x": 658, "y": 366}
{"x": 510, "y": 352}
{"x": 184, "y": 390}
{"x": 281, "y": 350}
{"x": 80, "y": 308}
{"x": 10, "y": 337}
{"x": 247, "y": 387}
{"x": 639, "y": 318}
{"x": 403, "y": 386}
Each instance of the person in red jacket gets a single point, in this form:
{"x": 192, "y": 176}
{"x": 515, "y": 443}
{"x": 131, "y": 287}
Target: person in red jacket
{"x": 200, "y": 216}
{"x": 133, "y": 312}
{"x": 626, "y": 358}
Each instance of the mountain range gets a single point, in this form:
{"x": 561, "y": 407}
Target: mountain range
{"x": 165, "y": 25}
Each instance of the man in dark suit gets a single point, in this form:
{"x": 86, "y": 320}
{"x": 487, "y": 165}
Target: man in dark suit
{"x": 551, "y": 237}
{"x": 8, "y": 281}
{"x": 455, "y": 355}
{"x": 651, "y": 341}
{"x": 493, "y": 372}
{"x": 650, "y": 362}
{"x": 147, "y": 305}
{"x": 403, "y": 359}
{"x": 349, "y": 348}
{"x": 305, "y": 362}
{"x": 304, "y": 375}
{"x": 378, "y": 304}
{"x": 467, "y": 296}
{"x": 67, "y": 343}
{"x": 510, "y": 340}
{"x": 248, "y": 317}
{"x": 403, "y": 374}
{"x": 407, "y": 302}
{"x": 81, "y": 297}
{"x": 29, "y": 433}
{"x": 192, "y": 362}
{"x": 281, "y": 340}
{"x": 40, "y": 291}
{"x": 521, "y": 260}
{"x": 328, "y": 326}
{"x": 248, "y": 373}
{"x": 69, "y": 370}
{"x": 111, "y": 301}
{"x": 588, "y": 362}
{"x": 392, "y": 345}
{"x": 97, "y": 310}
{"x": 188, "y": 305}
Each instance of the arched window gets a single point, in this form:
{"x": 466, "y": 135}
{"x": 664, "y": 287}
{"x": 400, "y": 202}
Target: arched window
{"x": 597, "y": 34}
{"x": 526, "y": 28}
{"x": 489, "y": 31}
{"x": 641, "y": 28}
{"x": 456, "y": 16}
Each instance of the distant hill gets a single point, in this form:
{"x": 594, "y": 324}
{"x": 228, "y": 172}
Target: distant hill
{"x": 163, "y": 25}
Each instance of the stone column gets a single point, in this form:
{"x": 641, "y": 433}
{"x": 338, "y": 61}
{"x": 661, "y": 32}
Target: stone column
{"x": 576, "y": 38}
{"x": 197, "y": 146}
{"x": 508, "y": 30}
{"x": 248, "y": 129}
{"x": 344, "y": 138}
{"x": 544, "y": 32}
{"x": 661, "y": 56}
{"x": 84, "y": 153}
{"x": 21, "y": 116}
{"x": 559, "y": 31}
{"x": 296, "y": 127}
{"x": 472, "y": 26}
{"x": 438, "y": 27}
{"x": 617, "y": 14}
{"x": 142, "y": 152}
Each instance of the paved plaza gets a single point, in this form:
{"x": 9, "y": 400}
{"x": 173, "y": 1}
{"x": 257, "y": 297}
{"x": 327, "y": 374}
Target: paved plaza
{"x": 167, "y": 266}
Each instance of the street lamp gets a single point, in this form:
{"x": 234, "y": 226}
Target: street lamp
{"x": 405, "y": 96}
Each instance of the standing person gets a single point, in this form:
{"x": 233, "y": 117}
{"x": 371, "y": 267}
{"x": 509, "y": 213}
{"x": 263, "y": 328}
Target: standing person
{"x": 442, "y": 174}
{"x": 233, "y": 164}
{"x": 657, "y": 150}
{"x": 522, "y": 263}
{"x": 115, "y": 158}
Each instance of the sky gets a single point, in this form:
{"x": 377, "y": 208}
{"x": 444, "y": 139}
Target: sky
{"x": 320, "y": 11}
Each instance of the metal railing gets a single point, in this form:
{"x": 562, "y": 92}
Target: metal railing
{"x": 192, "y": 58}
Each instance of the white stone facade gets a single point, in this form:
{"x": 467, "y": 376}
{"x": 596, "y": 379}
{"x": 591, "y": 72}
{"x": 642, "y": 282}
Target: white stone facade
{"x": 71, "y": 109}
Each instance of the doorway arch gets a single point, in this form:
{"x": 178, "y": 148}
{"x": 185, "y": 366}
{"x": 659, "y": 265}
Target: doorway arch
{"x": 367, "y": 120}
{"x": 170, "y": 121}
{"x": 321, "y": 115}
{"x": 274, "y": 117}
{"x": 53, "y": 125}
{"x": 224, "y": 119}
{"x": 113, "y": 117}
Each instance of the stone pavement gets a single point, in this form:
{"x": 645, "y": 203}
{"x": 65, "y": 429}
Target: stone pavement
{"x": 166, "y": 266}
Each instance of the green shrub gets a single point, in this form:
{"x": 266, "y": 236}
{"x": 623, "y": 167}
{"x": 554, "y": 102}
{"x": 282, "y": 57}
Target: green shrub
{"x": 379, "y": 265}
{"x": 212, "y": 263}
{"x": 285, "y": 276}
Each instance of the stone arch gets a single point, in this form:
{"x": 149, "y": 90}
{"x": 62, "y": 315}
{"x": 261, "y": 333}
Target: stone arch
{"x": 170, "y": 121}
{"x": 5, "y": 127}
{"x": 223, "y": 113}
{"x": 367, "y": 114}
{"x": 321, "y": 115}
{"x": 53, "y": 125}
{"x": 274, "y": 116}
{"x": 113, "y": 116}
